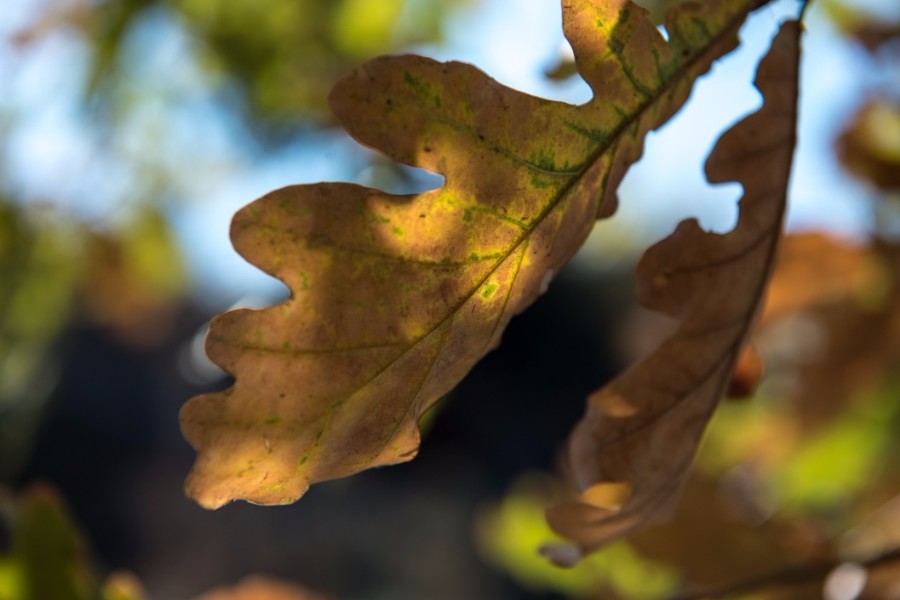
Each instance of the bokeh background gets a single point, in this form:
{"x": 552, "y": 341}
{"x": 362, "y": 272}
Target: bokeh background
{"x": 130, "y": 132}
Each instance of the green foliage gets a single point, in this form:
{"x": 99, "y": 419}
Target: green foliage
{"x": 285, "y": 62}
{"x": 49, "y": 558}
{"x": 39, "y": 267}
{"x": 806, "y": 472}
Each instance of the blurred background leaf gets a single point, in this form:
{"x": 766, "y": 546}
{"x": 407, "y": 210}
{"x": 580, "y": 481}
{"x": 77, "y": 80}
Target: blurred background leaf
{"x": 39, "y": 267}
{"x": 48, "y": 554}
{"x": 870, "y": 146}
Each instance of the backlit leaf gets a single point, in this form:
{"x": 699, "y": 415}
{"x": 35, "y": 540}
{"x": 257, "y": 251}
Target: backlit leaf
{"x": 641, "y": 431}
{"x": 395, "y": 298}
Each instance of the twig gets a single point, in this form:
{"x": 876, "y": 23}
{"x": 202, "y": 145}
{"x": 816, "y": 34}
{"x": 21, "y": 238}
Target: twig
{"x": 793, "y": 576}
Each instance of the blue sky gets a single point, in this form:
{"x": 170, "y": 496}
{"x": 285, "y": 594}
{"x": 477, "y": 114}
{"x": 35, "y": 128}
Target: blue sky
{"x": 52, "y": 152}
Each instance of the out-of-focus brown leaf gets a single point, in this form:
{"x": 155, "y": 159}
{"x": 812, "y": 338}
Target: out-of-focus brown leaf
{"x": 815, "y": 269}
{"x": 642, "y": 430}
{"x": 262, "y": 588}
{"x": 883, "y": 578}
{"x": 832, "y": 321}
{"x": 878, "y": 531}
{"x": 748, "y": 372}
{"x": 871, "y": 578}
{"x": 870, "y": 145}
{"x": 855, "y": 350}
{"x": 713, "y": 540}
{"x": 123, "y": 585}
{"x": 396, "y": 298}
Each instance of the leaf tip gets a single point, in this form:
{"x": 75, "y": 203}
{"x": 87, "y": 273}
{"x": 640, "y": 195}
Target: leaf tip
{"x": 213, "y": 490}
{"x": 233, "y": 466}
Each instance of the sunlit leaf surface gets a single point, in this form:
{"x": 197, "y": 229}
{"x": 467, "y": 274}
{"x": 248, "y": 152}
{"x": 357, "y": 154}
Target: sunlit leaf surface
{"x": 395, "y": 298}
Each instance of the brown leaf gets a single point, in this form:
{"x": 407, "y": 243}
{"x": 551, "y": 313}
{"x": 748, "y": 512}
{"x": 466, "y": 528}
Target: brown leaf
{"x": 257, "y": 587}
{"x": 748, "y": 371}
{"x": 642, "y": 430}
{"x": 712, "y": 541}
{"x": 815, "y": 269}
{"x": 832, "y": 323}
{"x": 396, "y": 297}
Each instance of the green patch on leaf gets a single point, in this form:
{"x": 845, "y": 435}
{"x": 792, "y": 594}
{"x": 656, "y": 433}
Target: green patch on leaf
{"x": 374, "y": 360}
{"x": 489, "y": 290}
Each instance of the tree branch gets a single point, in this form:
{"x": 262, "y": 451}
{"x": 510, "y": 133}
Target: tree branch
{"x": 792, "y": 576}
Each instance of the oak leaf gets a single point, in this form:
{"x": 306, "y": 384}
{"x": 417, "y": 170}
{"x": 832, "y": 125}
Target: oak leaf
{"x": 632, "y": 451}
{"x": 395, "y": 298}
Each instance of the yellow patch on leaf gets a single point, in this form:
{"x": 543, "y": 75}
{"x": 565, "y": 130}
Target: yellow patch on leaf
{"x": 395, "y": 298}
